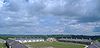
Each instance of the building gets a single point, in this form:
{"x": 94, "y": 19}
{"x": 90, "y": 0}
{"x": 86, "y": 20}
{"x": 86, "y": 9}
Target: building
{"x": 14, "y": 44}
{"x": 24, "y": 40}
{"x": 81, "y": 41}
{"x": 51, "y": 40}
{"x": 94, "y": 45}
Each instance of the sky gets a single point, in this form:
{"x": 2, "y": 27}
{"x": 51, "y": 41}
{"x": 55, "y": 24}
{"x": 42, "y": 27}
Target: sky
{"x": 42, "y": 17}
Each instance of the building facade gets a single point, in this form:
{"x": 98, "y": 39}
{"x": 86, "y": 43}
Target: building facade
{"x": 24, "y": 40}
{"x": 51, "y": 40}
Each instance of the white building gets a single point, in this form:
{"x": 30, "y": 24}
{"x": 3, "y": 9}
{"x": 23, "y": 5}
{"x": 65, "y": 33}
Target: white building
{"x": 24, "y": 40}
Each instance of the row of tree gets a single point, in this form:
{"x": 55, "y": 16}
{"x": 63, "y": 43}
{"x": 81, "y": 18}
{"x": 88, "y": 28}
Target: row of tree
{"x": 50, "y": 36}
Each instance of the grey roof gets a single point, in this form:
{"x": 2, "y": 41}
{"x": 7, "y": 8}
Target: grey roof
{"x": 28, "y": 38}
{"x": 95, "y": 45}
{"x": 92, "y": 46}
{"x": 77, "y": 40}
{"x": 15, "y": 44}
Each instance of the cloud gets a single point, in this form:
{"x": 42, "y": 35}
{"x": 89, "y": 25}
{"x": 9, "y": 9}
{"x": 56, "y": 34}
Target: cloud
{"x": 97, "y": 29}
{"x": 49, "y": 16}
{"x": 89, "y": 19}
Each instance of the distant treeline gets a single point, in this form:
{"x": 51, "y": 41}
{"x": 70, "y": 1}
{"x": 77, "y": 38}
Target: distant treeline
{"x": 50, "y": 36}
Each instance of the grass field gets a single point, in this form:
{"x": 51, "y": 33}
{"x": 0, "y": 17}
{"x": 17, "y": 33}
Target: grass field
{"x": 54, "y": 45}
{"x": 2, "y": 45}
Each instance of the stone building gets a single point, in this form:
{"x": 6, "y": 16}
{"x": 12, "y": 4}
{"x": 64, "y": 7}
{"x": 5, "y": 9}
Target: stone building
{"x": 51, "y": 40}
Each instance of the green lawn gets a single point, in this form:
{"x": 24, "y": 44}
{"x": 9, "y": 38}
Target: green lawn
{"x": 54, "y": 45}
{"x": 98, "y": 40}
{"x": 2, "y": 45}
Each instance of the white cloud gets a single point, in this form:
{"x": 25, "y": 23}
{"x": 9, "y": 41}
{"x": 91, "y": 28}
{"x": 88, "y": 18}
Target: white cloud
{"x": 1, "y": 3}
{"x": 47, "y": 16}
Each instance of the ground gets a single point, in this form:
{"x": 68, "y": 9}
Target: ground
{"x": 2, "y": 45}
{"x": 54, "y": 45}
{"x": 98, "y": 40}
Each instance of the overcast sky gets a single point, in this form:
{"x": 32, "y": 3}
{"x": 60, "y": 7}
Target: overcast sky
{"x": 78, "y": 17}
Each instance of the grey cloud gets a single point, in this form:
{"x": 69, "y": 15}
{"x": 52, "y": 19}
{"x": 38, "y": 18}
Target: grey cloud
{"x": 55, "y": 7}
{"x": 48, "y": 16}
{"x": 96, "y": 29}
{"x": 89, "y": 19}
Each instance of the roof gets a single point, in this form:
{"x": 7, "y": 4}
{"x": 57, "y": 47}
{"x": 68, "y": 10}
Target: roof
{"x": 95, "y": 45}
{"x": 77, "y": 40}
{"x": 15, "y": 44}
{"x": 28, "y": 38}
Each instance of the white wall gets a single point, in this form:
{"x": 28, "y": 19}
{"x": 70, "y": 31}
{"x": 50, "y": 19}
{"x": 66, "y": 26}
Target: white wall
{"x": 32, "y": 40}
